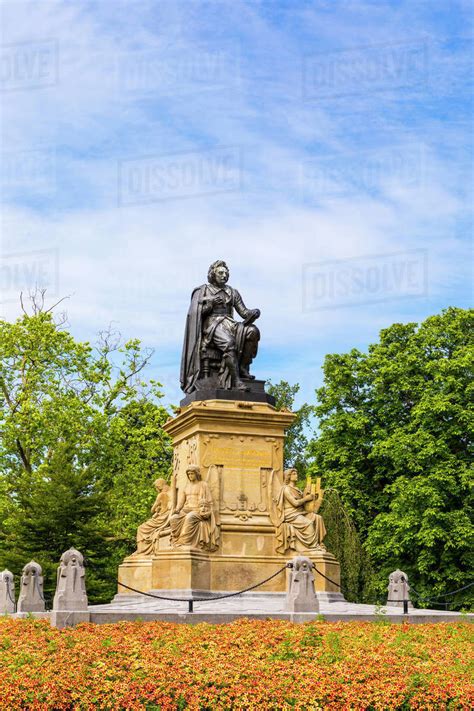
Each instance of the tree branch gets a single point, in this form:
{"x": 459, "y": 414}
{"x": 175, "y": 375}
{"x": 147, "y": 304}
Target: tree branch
{"x": 24, "y": 457}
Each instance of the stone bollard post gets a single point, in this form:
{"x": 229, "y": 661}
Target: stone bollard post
{"x": 70, "y": 604}
{"x": 398, "y": 589}
{"x": 7, "y": 593}
{"x": 31, "y": 598}
{"x": 301, "y": 595}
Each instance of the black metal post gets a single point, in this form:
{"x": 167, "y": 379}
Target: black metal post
{"x": 190, "y": 604}
{"x": 405, "y": 607}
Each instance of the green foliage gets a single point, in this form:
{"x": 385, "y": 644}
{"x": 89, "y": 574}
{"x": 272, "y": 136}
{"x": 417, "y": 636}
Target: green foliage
{"x": 396, "y": 443}
{"x": 142, "y": 454}
{"x": 296, "y": 440}
{"x": 342, "y": 539}
{"x": 81, "y": 443}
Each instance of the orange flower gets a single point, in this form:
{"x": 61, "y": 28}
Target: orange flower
{"x": 249, "y": 664}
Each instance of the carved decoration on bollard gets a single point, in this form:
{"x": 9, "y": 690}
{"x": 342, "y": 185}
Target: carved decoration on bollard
{"x": 301, "y": 596}
{"x": 398, "y": 589}
{"x": 70, "y": 587}
{"x": 31, "y": 598}
{"x": 70, "y": 599}
{"x": 7, "y": 593}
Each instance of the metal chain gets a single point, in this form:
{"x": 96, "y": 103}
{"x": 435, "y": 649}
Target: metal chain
{"x": 214, "y": 597}
{"x": 329, "y": 579}
{"x": 158, "y": 597}
{"x": 437, "y": 599}
{"x": 252, "y": 587}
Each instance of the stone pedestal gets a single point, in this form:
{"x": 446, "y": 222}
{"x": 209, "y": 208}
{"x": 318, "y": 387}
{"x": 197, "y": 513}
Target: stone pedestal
{"x": 70, "y": 605}
{"x": 31, "y": 598}
{"x": 238, "y": 446}
{"x": 7, "y": 593}
{"x": 301, "y": 595}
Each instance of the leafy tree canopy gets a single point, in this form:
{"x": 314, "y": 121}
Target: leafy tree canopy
{"x": 296, "y": 440}
{"x": 396, "y": 443}
{"x": 81, "y": 442}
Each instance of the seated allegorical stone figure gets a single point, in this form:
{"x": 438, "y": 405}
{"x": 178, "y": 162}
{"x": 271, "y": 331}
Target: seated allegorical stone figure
{"x": 211, "y": 325}
{"x": 147, "y": 532}
{"x": 193, "y": 522}
{"x": 298, "y": 529}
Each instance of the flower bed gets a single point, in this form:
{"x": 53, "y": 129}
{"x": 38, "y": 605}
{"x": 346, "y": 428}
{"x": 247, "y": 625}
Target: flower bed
{"x": 244, "y": 665}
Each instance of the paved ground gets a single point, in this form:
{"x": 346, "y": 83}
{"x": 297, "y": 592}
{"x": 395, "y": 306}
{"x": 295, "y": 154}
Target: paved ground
{"x": 257, "y": 606}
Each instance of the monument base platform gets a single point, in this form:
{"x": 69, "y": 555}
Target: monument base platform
{"x": 258, "y": 606}
{"x": 182, "y": 571}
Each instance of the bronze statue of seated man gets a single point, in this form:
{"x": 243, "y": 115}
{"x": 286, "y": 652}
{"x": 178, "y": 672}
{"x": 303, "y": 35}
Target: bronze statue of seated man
{"x": 211, "y": 325}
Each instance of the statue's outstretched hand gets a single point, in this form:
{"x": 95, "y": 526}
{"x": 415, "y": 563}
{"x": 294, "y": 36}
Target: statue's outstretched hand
{"x": 256, "y": 313}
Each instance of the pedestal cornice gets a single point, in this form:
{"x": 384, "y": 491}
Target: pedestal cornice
{"x": 220, "y": 416}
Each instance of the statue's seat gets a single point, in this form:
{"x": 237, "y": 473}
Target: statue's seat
{"x": 210, "y": 361}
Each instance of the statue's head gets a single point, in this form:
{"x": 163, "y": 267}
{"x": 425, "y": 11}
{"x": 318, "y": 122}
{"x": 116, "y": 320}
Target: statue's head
{"x": 159, "y": 484}
{"x": 290, "y": 475}
{"x": 218, "y": 273}
{"x": 193, "y": 473}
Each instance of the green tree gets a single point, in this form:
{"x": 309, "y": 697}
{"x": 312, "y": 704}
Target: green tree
{"x": 296, "y": 440}
{"x": 343, "y": 541}
{"x": 77, "y": 425}
{"x": 142, "y": 454}
{"x": 396, "y": 443}
{"x": 342, "y": 538}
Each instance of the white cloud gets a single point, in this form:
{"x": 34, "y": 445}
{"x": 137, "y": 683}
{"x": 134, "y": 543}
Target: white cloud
{"x": 237, "y": 73}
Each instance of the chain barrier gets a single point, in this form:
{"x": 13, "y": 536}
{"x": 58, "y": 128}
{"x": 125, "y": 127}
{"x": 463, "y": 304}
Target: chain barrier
{"x": 48, "y": 603}
{"x": 422, "y": 598}
{"x": 343, "y": 591}
{"x": 437, "y": 600}
{"x": 192, "y": 600}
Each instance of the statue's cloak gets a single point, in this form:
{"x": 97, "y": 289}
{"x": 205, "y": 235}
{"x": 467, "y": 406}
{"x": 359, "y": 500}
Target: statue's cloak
{"x": 191, "y": 356}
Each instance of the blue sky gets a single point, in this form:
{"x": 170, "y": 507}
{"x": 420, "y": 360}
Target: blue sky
{"x": 324, "y": 149}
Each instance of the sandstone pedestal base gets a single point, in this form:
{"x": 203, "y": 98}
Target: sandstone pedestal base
{"x": 238, "y": 447}
{"x": 194, "y": 573}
